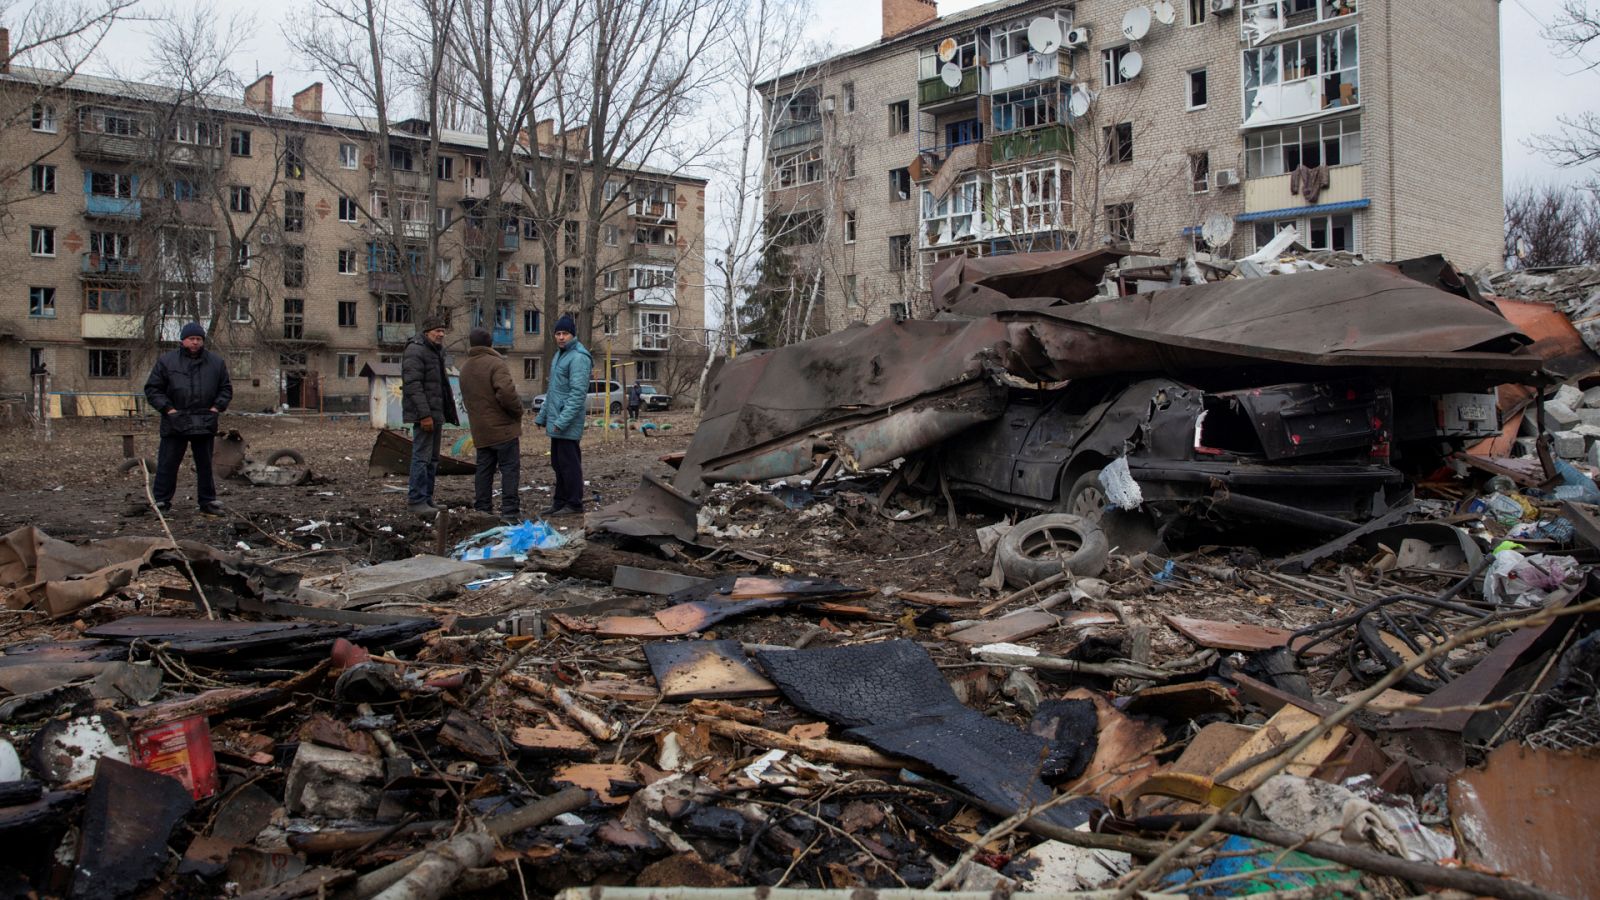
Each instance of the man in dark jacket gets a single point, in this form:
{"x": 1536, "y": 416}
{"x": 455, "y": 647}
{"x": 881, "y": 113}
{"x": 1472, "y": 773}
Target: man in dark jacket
{"x": 190, "y": 387}
{"x": 635, "y": 399}
{"x": 428, "y": 405}
{"x": 495, "y": 413}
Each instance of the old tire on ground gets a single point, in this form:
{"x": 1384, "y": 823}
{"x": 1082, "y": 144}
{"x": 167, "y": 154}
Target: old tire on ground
{"x": 293, "y": 456}
{"x": 616, "y": 407}
{"x": 1086, "y": 497}
{"x": 128, "y": 465}
{"x": 1042, "y": 546}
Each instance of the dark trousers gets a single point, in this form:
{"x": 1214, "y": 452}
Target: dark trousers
{"x": 567, "y": 459}
{"x": 633, "y": 411}
{"x": 170, "y": 456}
{"x": 424, "y": 465}
{"x": 507, "y": 459}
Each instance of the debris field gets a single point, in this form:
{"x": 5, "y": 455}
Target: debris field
{"x": 1273, "y": 579}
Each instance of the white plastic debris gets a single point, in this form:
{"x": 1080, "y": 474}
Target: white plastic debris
{"x": 1013, "y": 649}
{"x": 1121, "y": 490}
{"x": 10, "y": 765}
{"x": 312, "y": 525}
{"x": 755, "y": 770}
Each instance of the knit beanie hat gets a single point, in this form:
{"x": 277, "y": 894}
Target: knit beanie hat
{"x": 566, "y": 324}
{"x": 193, "y": 329}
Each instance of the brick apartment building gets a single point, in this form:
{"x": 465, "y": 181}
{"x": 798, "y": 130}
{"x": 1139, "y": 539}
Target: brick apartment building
{"x": 966, "y": 135}
{"x": 118, "y": 231}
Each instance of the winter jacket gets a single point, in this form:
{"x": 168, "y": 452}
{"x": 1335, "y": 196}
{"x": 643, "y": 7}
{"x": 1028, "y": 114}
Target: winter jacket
{"x": 192, "y": 385}
{"x": 490, "y": 396}
{"x": 424, "y": 385}
{"x": 565, "y": 403}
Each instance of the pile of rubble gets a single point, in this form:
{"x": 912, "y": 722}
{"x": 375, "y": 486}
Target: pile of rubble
{"x": 732, "y": 686}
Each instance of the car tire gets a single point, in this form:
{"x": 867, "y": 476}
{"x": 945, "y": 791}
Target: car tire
{"x": 1025, "y": 553}
{"x": 293, "y": 456}
{"x": 1086, "y": 497}
{"x": 615, "y": 407}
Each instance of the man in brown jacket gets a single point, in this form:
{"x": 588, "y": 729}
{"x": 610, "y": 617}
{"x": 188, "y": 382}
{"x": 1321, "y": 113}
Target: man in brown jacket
{"x": 495, "y": 413}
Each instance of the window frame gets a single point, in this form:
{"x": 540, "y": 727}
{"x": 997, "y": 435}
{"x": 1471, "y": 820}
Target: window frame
{"x": 1200, "y": 172}
{"x": 1120, "y": 222}
{"x": 349, "y": 155}
{"x": 239, "y": 142}
{"x": 42, "y": 178}
{"x": 41, "y": 302}
{"x": 1189, "y": 85}
{"x": 43, "y": 118}
{"x": 1111, "y": 65}
{"x": 350, "y": 321}
{"x": 95, "y": 363}
{"x": 42, "y": 241}
{"x": 240, "y": 199}
{"x": 899, "y": 117}
{"x": 347, "y": 261}
{"x": 1119, "y": 149}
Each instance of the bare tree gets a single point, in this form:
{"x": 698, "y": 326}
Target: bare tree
{"x": 1576, "y": 28}
{"x": 48, "y": 44}
{"x": 1552, "y": 225}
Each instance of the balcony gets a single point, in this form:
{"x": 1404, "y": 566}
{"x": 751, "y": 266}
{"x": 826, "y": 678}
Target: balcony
{"x": 503, "y": 290}
{"x": 98, "y": 207}
{"x": 508, "y": 239}
{"x": 503, "y": 336}
{"x": 796, "y": 135}
{"x": 1026, "y": 68}
{"x": 657, "y": 211}
{"x": 481, "y": 188}
{"x": 651, "y": 341}
{"x": 109, "y": 268}
{"x": 194, "y": 156}
{"x": 386, "y": 283}
{"x": 395, "y": 332}
{"x": 185, "y": 212}
{"x": 653, "y": 251}
{"x": 1261, "y": 19}
{"x": 409, "y": 231}
{"x": 660, "y": 295}
{"x": 404, "y": 179}
{"x": 1271, "y": 193}
{"x": 933, "y": 92}
{"x": 112, "y": 327}
{"x": 1030, "y": 144}
{"x": 118, "y": 147}
{"x": 963, "y": 157}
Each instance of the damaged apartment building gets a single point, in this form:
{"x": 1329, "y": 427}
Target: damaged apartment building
{"x": 134, "y": 213}
{"x": 1371, "y": 126}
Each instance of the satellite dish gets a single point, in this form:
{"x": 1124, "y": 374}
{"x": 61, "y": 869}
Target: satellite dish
{"x": 1132, "y": 65}
{"x": 1079, "y": 104}
{"x": 1044, "y": 35}
{"x": 1217, "y": 230}
{"x": 947, "y": 49}
{"x": 950, "y": 74}
{"x": 1136, "y": 24}
{"x": 1164, "y": 12}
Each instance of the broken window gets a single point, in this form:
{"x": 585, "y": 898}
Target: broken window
{"x": 899, "y": 184}
{"x": 804, "y": 167}
{"x": 239, "y": 142}
{"x": 849, "y": 154}
{"x": 900, "y": 252}
{"x": 446, "y": 168}
{"x": 1027, "y": 107}
{"x": 966, "y": 56}
{"x": 530, "y": 274}
{"x": 852, "y": 299}
{"x": 1119, "y": 142}
{"x": 42, "y": 302}
{"x": 530, "y": 230}
{"x": 530, "y": 368}
{"x": 1301, "y": 77}
{"x": 849, "y": 92}
{"x": 1119, "y": 221}
{"x": 347, "y": 314}
{"x": 652, "y": 330}
{"x": 1199, "y": 172}
{"x": 41, "y": 240}
{"x": 294, "y": 211}
{"x": 110, "y": 363}
{"x": 1331, "y": 233}
{"x": 795, "y": 228}
{"x": 294, "y": 157}
{"x": 1111, "y": 65}
{"x": 241, "y": 254}
{"x": 570, "y": 276}
{"x": 396, "y": 311}
{"x": 294, "y": 318}
{"x": 849, "y": 226}
{"x": 1197, "y": 11}
{"x": 899, "y": 117}
{"x": 401, "y": 159}
{"x": 655, "y": 235}
{"x": 347, "y": 365}
{"x": 239, "y": 199}
{"x": 112, "y": 184}
{"x": 108, "y": 298}
{"x": 1197, "y": 89}
{"x": 44, "y": 118}
{"x": 569, "y": 232}
{"x": 1032, "y": 199}
{"x": 1280, "y": 151}
{"x": 44, "y": 179}
{"x": 294, "y": 265}
{"x": 239, "y": 310}
{"x": 530, "y": 321}
{"x": 953, "y": 217}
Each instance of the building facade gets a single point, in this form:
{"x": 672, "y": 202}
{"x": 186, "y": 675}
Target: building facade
{"x": 1372, "y": 126}
{"x": 129, "y": 217}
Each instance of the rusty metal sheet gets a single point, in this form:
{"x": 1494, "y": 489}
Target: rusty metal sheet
{"x": 709, "y": 670}
{"x": 1555, "y": 341}
{"x": 391, "y": 455}
{"x": 656, "y": 508}
{"x": 1528, "y": 813}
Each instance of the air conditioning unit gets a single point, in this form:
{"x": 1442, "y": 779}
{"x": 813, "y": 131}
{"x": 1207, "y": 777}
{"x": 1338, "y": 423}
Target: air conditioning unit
{"x": 1225, "y": 178}
{"x": 1221, "y": 6}
{"x": 268, "y": 238}
{"x": 827, "y": 105}
{"x": 1077, "y": 37}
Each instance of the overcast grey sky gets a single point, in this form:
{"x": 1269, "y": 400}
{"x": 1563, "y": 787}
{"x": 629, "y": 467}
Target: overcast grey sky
{"x": 1536, "y": 84}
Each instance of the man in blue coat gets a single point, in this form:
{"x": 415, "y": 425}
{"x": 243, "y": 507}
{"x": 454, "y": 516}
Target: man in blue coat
{"x": 190, "y": 387}
{"x": 565, "y": 404}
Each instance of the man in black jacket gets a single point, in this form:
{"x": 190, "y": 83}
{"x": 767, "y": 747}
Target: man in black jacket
{"x": 190, "y": 387}
{"x": 428, "y": 404}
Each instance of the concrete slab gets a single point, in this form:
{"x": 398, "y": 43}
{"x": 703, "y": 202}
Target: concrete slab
{"x": 421, "y": 576}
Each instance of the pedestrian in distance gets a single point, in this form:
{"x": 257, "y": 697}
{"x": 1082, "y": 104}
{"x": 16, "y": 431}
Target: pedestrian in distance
{"x": 635, "y": 399}
{"x": 494, "y": 412}
{"x": 190, "y": 388}
{"x": 428, "y": 405}
{"x": 562, "y": 417}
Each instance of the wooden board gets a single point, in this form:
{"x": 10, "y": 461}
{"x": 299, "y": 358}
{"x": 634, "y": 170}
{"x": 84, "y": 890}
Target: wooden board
{"x": 936, "y": 598}
{"x": 596, "y": 777}
{"x": 1015, "y": 627}
{"x": 560, "y": 743}
{"x": 1236, "y": 635}
{"x": 1287, "y": 726}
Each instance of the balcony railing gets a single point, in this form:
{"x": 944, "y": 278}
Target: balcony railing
{"x": 186, "y": 212}
{"x": 194, "y": 156}
{"x": 650, "y": 340}
{"x": 386, "y": 283}
{"x": 652, "y": 251}
{"x": 505, "y": 240}
{"x": 395, "y": 332}
{"x": 503, "y": 337}
{"x": 659, "y": 295}
{"x": 1034, "y": 142}
{"x": 110, "y": 146}
{"x": 1262, "y": 194}
{"x": 796, "y": 135}
{"x": 111, "y": 207}
{"x": 479, "y": 189}
{"x": 117, "y": 267}
{"x": 932, "y": 91}
{"x": 410, "y": 231}
{"x": 1262, "y": 18}
{"x": 404, "y": 179}
{"x": 503, "y": 290}
{"x": 112, "y": 326}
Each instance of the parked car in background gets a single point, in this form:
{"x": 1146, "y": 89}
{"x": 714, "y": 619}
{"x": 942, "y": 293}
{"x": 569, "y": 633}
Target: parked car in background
{"x": 600, "y": 393}
{"x": 653, "y": 400}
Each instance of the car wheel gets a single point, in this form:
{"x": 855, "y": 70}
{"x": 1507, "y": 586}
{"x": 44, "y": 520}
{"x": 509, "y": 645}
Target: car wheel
{"x": 1086, "y": 498}
{"x": 293, "y": 456}
{"x": 1037, "y": 548}
{"x": 615, "y": 407}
